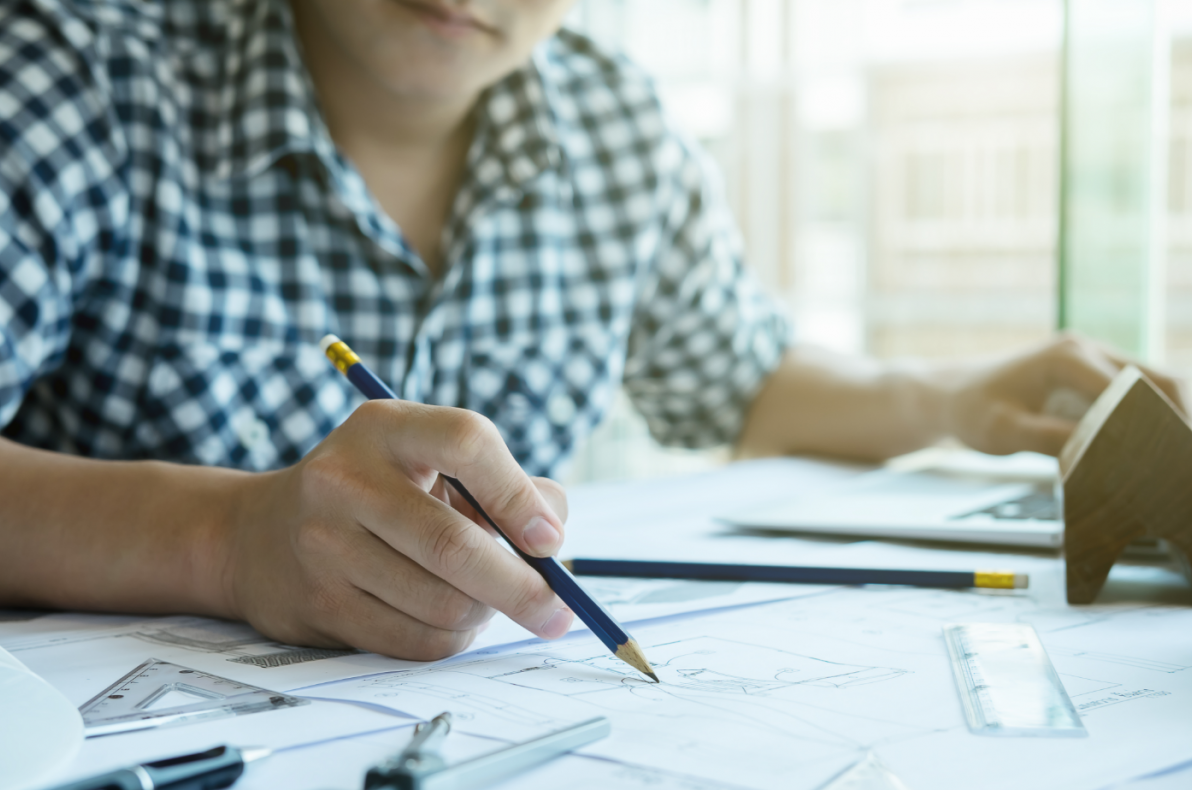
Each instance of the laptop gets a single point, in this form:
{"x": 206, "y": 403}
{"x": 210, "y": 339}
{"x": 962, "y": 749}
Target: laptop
{"x": 957, "y": 496}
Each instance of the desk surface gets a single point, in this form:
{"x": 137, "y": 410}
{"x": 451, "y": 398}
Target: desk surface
{"x": 676, "y": 517}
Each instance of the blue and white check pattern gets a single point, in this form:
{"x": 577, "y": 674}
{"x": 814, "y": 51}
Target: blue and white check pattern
{"x": 177, "y": 231}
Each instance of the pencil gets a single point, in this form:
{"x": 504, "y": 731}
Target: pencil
{"x": 1005, "y": 580}
{"x": 588, "y": 609}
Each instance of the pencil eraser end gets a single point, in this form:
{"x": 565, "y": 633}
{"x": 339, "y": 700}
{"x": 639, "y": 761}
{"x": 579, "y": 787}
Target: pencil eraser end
{"x": 1022, "y": 581}
{"x": 327, "y": 342}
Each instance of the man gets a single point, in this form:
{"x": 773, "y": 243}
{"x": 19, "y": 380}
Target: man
{"x": 493, "y": 216}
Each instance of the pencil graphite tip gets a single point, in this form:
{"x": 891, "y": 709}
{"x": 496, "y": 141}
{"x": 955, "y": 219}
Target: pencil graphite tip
{"x": 632, "y": 655}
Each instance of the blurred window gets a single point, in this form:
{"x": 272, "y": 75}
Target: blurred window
{"x": 893, "y": 166}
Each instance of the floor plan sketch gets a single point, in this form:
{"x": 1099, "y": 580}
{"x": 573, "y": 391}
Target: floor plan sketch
{"x": 1138, "y": 617}
{"x": 703, "y": 664}
{"x": 1137, "y": 662}
{"x": 950, "y": 606}
{"x": 790, "y": 693}
{"x": 1078, "y": 686}
{"x": 719, "y": 699}
{"x": 469, "y": 704}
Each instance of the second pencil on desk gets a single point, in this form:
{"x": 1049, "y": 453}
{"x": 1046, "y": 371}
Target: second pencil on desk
{"x": 712, "y": 571}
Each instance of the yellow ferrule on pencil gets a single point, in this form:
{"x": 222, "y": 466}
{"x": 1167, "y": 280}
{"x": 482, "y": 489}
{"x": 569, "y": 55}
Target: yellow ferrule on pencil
{"x": 342, "y": 356}
{"x": 1002, "y": 580}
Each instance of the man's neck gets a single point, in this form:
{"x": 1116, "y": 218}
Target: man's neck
{"x": 410, "y": 149}
{"x": 365, "y": 116}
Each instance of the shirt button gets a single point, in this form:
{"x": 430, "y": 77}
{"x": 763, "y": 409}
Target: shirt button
{"x": 253, "y": 433}
{"x": 560, "y": 409}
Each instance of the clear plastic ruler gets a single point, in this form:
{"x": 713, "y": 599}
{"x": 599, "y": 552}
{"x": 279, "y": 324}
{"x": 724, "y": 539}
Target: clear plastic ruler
{"x": 1007, "y": 683}
{"x": 158, "y": 693}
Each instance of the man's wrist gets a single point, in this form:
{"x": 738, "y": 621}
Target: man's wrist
{"x": 926, "y": 394}
{"x": 217, "y": 504}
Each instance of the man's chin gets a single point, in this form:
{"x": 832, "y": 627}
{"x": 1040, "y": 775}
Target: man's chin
{"x": 426, "y": 68}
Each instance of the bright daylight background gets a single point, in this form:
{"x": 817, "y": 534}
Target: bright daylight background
{"x": 893, "y": 166}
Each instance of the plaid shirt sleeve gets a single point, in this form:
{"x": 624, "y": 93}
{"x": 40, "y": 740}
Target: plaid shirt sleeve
{"x": 705, "y": 336}
{"x": 58, "y": 154}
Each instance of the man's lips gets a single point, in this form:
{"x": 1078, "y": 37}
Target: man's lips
{"x": 449, "y": 17}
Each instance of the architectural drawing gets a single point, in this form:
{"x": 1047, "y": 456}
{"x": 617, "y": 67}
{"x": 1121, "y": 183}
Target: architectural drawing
{"x": 703, "y": 664}
{"x": 469, "y": 704}
{"x": 713, "y": 709}
{"x": 1078, "y": 686}
{"x": 1130, "y": 661}
{"x": 237, "y": 651}
{"x": 789, "y": 694}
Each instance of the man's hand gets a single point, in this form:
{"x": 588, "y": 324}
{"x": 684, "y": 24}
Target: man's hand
{"x": 360, "y": 544}
{"x": 820, "y": 403}
{"x": 1001, "y": 408}
{"x": 363, "y": 544}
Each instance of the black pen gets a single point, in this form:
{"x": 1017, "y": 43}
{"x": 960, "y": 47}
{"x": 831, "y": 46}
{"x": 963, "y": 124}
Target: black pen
{"x": 596, "y": 617}
{"x": 210, "y": 770}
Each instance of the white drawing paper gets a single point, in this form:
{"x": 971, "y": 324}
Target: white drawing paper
{"x": 52, "y": 645}
{"x": 789, "y": 694}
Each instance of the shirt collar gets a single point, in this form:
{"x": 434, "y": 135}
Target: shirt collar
{"x": 517, "y": 132}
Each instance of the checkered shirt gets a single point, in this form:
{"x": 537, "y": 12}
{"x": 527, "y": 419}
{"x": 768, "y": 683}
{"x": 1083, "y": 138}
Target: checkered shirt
{"x": 178, "y": 230}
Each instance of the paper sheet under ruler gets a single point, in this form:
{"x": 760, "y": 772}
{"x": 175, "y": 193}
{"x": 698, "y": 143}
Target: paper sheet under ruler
{"x": 788, "y": 694}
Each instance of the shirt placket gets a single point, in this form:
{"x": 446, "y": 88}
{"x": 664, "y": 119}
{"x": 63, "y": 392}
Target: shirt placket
{"x": 377, "y": 226}
{"x": 492, "y": 186}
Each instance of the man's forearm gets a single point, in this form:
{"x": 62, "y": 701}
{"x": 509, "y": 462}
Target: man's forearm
{"x": 141, "y": 537}
{"x": 820, "y": 403}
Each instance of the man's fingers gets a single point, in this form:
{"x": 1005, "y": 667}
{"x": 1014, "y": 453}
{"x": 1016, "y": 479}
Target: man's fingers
{"x": 1082, "y": 368}
{"x": 403, "y": 584}
{"x": 554, "y": 494}
{"x": 1017, "y": 429}
{"x": 464, "y": 507}
{"x": 449, "y": 546}
{"x": 466, "y": 445}
{"x": 1091, "y": 363}
{"x": 442, "y": 491}
{"x": 355, "y": 617}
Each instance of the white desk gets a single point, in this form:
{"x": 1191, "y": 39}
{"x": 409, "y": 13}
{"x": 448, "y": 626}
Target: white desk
{"x": 647, "y": 519}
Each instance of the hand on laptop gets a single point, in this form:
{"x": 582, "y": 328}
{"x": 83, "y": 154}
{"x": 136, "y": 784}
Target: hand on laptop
{"x": 1010, "y": 405}
{"x": 819, "y": 402}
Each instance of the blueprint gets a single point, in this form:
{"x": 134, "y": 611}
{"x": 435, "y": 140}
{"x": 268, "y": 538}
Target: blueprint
{"x": 763, "y": 685}
{"x": 115, "y": 644}
{"x": 340, "y": 765}
{"x": 789, "y": 694}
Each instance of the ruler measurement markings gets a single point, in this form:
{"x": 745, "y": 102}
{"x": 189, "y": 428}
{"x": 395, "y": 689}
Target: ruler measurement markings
{"x": 1006, "y": 682}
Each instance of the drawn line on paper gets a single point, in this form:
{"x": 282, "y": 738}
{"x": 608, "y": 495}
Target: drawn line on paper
{"x": 1078, "y": 686}
{"x": 1136, "y": 662}
{"x": 701, "y": 674}
{"x": 502, "y": 709}
{"x": 1120, "y": 696}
